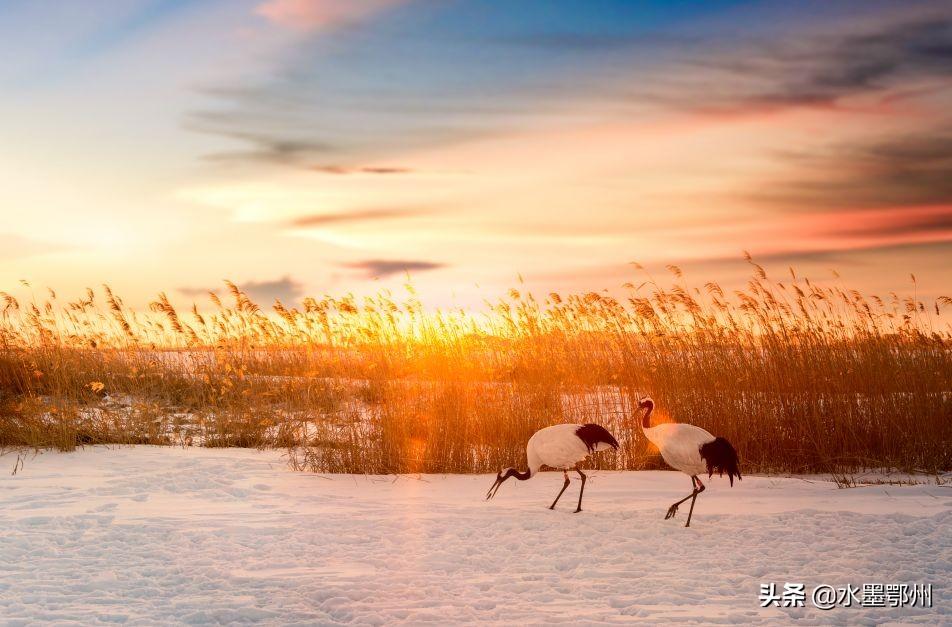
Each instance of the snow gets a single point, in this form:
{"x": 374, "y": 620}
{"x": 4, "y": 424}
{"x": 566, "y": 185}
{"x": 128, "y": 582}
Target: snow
{"x": 146, "y": 535}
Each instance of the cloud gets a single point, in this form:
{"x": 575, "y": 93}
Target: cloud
{"x": 363, "y": 215}
{"x": 365, "y": 93}
{"x": 334, "y": 122}
{"x": 382, "y": 268}
{"x": 586, "y": 41}
{"x": 840, "y": 257}
{"x": 310, "y": 15}
{"x": 822, "y": 69}
{"x": 901, "y": 224}
{"x": 904, "y": 169}
{"x": 901, "y": 59}
{"x": 370, "y": 93}
{"x": 830, "y": 232}
{"x": 276, "y": 147}
{"x": 285, "y": 289}
{"x": 342, "y": 169}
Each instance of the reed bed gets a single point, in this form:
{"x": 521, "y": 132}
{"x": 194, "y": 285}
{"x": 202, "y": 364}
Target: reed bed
{"x": 801, "y": 377}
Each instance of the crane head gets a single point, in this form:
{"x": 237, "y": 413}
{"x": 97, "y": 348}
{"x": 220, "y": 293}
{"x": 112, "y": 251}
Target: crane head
{"x": 646, "y": 403}
{"x": 501, "y": 476}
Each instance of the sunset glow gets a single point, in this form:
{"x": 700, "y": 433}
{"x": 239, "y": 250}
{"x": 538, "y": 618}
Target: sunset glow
{"x": 323, "y": 147}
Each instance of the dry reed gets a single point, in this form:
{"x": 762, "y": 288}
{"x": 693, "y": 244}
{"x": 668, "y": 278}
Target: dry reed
{"x": 799, "y": 376}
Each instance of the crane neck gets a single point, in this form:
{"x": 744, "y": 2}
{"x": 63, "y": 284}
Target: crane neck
{"x": 646, "y": 419}
{"x": 521, "y": 476}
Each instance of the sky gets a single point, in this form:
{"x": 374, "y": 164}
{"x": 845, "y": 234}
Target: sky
{"x": 310, "y": 147}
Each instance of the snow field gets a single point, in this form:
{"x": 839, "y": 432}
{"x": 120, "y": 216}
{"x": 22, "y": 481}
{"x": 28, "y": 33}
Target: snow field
{"x": 146, "y": 535}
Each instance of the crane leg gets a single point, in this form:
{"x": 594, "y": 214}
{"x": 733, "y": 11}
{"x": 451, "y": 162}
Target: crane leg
{"x": 697, "y": 490}
{"x": 674, "y": 508}
{"x": 564, "y": 485}
{"x": 582, "y": 491}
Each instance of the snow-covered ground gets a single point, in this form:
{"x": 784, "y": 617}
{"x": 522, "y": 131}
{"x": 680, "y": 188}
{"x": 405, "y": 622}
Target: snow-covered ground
{"x": 166, "y": 535}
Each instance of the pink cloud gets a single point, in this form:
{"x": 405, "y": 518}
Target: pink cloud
{"x": 841, "y": 231}
{"x": 309, "y": 15}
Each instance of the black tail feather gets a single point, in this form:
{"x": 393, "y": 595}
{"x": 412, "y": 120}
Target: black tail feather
{"x": 721, "y": 457}
{"x": 592, "y": 434}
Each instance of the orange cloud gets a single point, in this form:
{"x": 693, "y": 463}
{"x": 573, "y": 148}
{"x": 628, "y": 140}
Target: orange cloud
{"x": 309, "y": 15}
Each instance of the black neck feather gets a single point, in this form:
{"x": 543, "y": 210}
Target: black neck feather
{"x": 646, "y": 419}
{"x": 521, "y": 476}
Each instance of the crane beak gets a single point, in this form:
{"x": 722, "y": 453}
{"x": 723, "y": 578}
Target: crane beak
{"x": 495, "y": 486}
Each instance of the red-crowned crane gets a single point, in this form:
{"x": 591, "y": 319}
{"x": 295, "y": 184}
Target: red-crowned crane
{"x": 562, "y": 447}
{"x": 692, "y": 450}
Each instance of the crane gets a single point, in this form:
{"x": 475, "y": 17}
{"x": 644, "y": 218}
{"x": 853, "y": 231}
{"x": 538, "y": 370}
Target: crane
{"x": 692, "y": 450}
{"x": 562, "y": 447}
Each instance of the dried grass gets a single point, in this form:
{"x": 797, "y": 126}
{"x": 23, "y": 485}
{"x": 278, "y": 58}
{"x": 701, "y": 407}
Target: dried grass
{"x": 800, "y": 377}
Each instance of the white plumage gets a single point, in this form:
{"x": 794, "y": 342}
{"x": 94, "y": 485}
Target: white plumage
{"x": 561, "y": 447}
{"x": 680, "y": 445}
{"x": 692, "y": 450}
